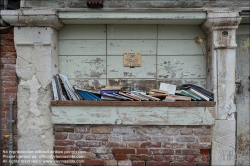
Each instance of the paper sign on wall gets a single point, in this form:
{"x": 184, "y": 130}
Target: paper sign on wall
{"x": 132, "y": 59}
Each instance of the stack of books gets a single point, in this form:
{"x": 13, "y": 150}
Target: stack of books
{"x": 196, "y": 93}
{"x": 62, "y": 90}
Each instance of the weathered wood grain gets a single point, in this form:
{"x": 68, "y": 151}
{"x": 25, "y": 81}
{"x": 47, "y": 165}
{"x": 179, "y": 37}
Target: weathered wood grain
{"x": 181, "y": 67}
{"x": 82, "y": 47}
{"x": 118, "y": 47}
{"x": 179, "y": 47}
{"x": 83, "y": 66}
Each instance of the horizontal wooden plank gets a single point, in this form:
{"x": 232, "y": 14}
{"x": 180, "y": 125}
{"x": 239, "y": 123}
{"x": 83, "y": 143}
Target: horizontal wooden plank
{"x": 83, "y": 66}
{"x": 82, "y": 47}
{"x": 181, "y": 67}
{"x": 180, "y": 32}
{"x": 135, "y": 103}
{"x": 116, "y": 69}
{"x": 131, "y": 115}
{"x": 179, "y": 47}
{"x": 83, "y": 32}
{"x": 131, "y": 31}
{"x": 119, "y": 47}
{"x": 94, "y": 84}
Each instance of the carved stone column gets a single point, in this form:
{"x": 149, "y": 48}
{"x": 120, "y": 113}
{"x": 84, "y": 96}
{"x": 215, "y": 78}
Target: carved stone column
{"x": 221, "y": 58}
{"x": 36, "y": 43}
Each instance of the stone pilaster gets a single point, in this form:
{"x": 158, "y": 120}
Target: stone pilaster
{"x": 221, "y": 60}
{"x": 36, "y": 43}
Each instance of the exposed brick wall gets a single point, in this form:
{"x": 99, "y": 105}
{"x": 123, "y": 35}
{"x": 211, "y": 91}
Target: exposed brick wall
{"x": 8, "y": 81}
{"x": 133, "y": 145}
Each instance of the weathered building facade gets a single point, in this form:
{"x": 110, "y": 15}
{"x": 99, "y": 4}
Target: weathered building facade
{"x": 87, "y": 45}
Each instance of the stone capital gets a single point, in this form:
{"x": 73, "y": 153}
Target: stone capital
{"x": 32, "y": 18}
{"x": 222, "y": 26}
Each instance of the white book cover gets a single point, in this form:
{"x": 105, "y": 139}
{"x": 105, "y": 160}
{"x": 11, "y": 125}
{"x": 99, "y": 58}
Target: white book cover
{"x": 170, "y": 88}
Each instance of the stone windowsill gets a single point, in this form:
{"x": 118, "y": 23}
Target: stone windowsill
{"x": 133, "y": 112}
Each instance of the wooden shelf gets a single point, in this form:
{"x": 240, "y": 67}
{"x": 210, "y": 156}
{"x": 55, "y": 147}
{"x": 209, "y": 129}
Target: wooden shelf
{"x": 136, "y": 103}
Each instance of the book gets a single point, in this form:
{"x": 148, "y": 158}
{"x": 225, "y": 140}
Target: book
{"x": 176, "y": 98}
{"x": 112, "y": 88}
{"x": 158, "y": 91}
{"x": 170, "y": 88}
{"x": 54, "y": 88}
{"x": 201, "y": 89}
{"x": 186, "y": 93}
{"x": 62, "y": 92}
{"x": 109, "y": 91}
{"x": 198, "y": 93}
{"x": 88, "y": 95}
{"x": 68, "y": 88}
{"x": 130, "y": 96}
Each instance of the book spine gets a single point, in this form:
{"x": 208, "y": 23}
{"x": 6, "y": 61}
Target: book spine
{"x": 54, "y": 89}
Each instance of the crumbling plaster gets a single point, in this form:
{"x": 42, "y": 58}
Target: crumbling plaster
{"x": 37, "y": 62}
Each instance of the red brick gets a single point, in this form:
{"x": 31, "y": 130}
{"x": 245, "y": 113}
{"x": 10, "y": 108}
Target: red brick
{"x": 199, "y": 145}
{"x": 8, "y": 96}
{"x": 190, "y": 151}
{"x": 204, "y": 151}
{"x": 60, "y": 150}
{"x": 161, "y": 151}
{"x": 88, "y": 144}
{"x": 157, "y": 163}
{"x": 63, "y": 156}
{"x": 120, "y": 156}
{"x": 85, "y": 149}
{"x": 198, "y": 158}
{"x": 141, "y": 157}
{"x": 75, "y": 136}
{"x": 186, "y": 131}
{"x": 158, "y": 157}
{"x": 63, "y": 142}
{"x": 8, "y": 49}
{"x": 139, "y": 163}
{"x": 183, "y": 164}
{"x": 9, "y": 90}
{"x": 150, "y": 144}
{"x": 9, "y": 67}
{"x": 61, "y": 136}
{"x": 142, "y": 151}
{"x": 7, "y": 42}
{"x": 92, "y": 163}
{"x": 8, "y": 54}
{"x": 117, "y": 144}
{"x": 7, "y": 36}
{"x": 8, "y": 72}
{"x": 6, "y": 31}
{"x": 205, "y": 138}
{"x": 123, "y": 151}
{"x": 178, "y": 152}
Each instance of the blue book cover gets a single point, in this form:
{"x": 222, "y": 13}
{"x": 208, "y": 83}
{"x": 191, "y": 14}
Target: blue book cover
{"x": 109, "y": 91}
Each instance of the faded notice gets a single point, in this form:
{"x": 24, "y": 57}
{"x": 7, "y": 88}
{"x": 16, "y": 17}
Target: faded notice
{"x": 132, "y": 59}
